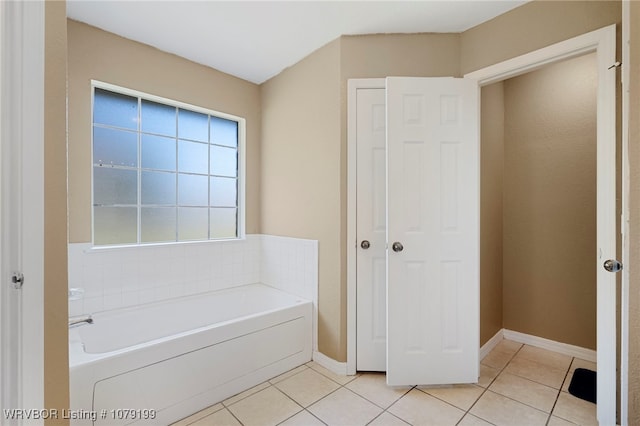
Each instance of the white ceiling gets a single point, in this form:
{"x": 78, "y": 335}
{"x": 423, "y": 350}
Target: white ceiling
{"x": 255, "y": 40}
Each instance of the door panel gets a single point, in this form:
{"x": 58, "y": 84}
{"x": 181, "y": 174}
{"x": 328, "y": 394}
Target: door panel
{"x": 371, "y": 272}
{"x": 22, "y": 206}
{"x": 433, "y": 211}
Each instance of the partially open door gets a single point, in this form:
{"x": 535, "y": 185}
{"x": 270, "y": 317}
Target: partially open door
{"x": 433, "y": 210}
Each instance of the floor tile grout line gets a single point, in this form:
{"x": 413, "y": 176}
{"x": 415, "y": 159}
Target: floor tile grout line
{"x": 535, "y": 362}
{"x": 295, "y": 414}
{"x": 330, "y": 393}
{"x": 355, "y": 376}
{"x": 519, "y": 402}
{"x": 198, "y": 419}
{"x": 560, "y": 391}
{"x": 269, "y": 384}
{"x": 447, "y": 402}
{"x": 490, "y": 383}
{"x": 391, "y": 414}
{"x": 368, "y": 400}
{"x": 506, "y": 364}
{"x": 543, "y": 364}
{"x": 346, "y": 388}
{"x": 288, "y": 377}
{"x": 339, "y": 386}
{"x": 373, "y": 419}
{"x": 484, "y": 390}
{"x": 319, "y": 419}
{"x": 571, "y": 422}
{"x": 532, "y": 381}
{"x": 508, "y": 397}
{"x": 204, "y": 416}
{"x": 386, "y": 410}
{"x": 566, "y": 377}
{"x": 244, "y": 397}
{"x": 233, "y": 415}
{"x": 300, "y": 405}
{"x": 371, "y": 402}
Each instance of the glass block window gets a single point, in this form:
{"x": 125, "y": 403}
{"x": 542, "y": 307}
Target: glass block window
{"x": 163, "y": 171}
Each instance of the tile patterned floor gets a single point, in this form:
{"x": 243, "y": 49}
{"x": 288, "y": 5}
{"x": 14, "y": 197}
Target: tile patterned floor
{"x": 519, "y": 384}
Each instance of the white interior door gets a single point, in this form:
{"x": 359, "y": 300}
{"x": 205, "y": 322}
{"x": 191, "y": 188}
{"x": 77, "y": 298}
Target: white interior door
{"x": 22, "y": 207}
{"x": 433, "y": 215}
{"x": 371, "y": 204}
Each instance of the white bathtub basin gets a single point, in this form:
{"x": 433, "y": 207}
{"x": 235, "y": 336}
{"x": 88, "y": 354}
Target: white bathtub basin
{"x": 179, "y": 356}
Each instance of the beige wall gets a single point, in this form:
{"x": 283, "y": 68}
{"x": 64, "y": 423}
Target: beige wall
{"x": 491, "y": 188}
{"x": 550, "y": 202}
{"x": 56, "y": 361}
{"x": 409, "y": 55}
{"x": 531, "y": 26}
{"x": 301, "y": 168}
{"x": 99, "y": 55}
{"x": 633, "y": 265}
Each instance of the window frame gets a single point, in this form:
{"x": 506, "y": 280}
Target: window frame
{"x": 241, "y": 159}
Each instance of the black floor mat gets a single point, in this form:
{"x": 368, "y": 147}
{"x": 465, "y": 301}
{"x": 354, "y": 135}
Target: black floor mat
{"x": 583, "y": 384}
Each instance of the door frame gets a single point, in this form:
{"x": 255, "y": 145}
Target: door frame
{"x": 22, "y": 202}
{"x": 625, "y": 77}
{"x": 602, "y": 42}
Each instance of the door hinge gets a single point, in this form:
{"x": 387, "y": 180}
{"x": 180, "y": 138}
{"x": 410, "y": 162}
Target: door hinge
{"x": 17, "y": 280}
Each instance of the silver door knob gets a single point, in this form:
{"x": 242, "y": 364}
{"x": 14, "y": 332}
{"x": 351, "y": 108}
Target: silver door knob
{"x": 397, "y": 247}
{"x": 612, "y": 265}
{"x": 17, "y": 279}
{"x": 365, "y": 244}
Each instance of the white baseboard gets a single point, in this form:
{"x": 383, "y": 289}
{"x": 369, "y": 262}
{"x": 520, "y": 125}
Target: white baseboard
{"x": 491, "y": 343}
{"x": 541, "y": 342}
{"x": 330, "y": 363}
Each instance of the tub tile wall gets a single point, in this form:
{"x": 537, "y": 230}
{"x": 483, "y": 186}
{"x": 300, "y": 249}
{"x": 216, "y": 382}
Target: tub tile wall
{"x": 129, "y": 276}
{"x": 291, "y": 265}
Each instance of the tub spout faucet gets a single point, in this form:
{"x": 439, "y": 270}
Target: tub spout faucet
{"x": 75, "y": 321}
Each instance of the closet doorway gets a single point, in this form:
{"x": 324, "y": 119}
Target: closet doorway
{"x": 539, "y": 204}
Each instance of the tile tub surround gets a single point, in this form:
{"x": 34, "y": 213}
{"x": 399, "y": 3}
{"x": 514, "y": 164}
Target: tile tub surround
{"x": 113, "y": 278}
{"x": 290, "y": 264}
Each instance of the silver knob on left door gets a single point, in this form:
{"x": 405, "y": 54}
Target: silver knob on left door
{"x": 365, "y": 244}
{"x": 612, "y": 265}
